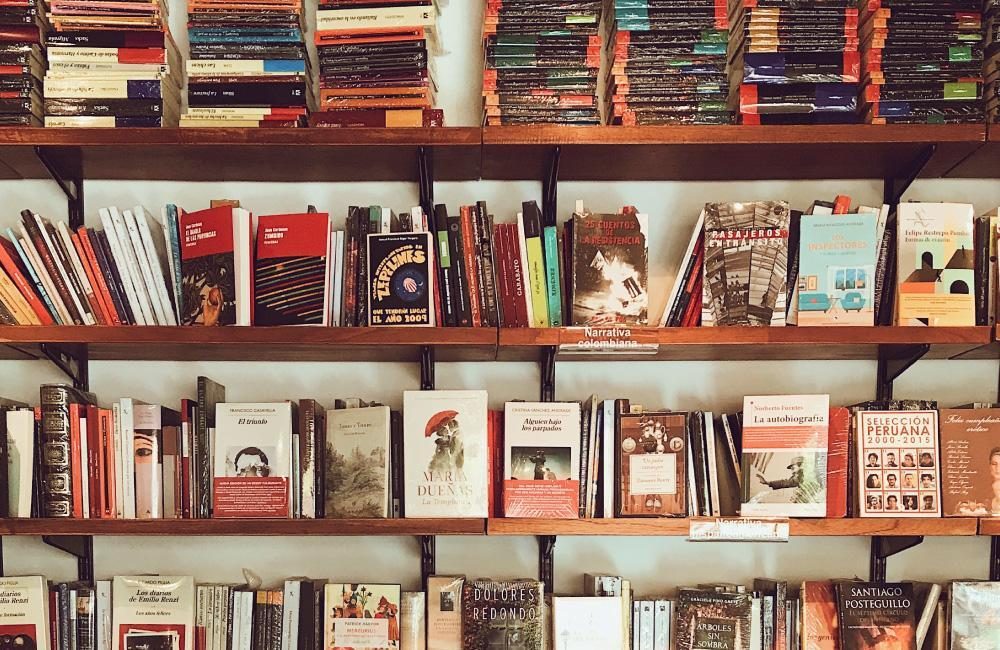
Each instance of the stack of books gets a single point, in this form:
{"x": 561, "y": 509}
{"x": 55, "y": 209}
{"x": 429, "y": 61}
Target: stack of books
{"x": 22, "y": 63}
{"x": 375, "y": 65}
{"x": 111, "y": 64}
{"x": 991, "y": 67}
{"x": 795, "y": 62}
{"x": 248, "y": 67}
{"x": 668, "y": 63}
{"x": 542, "y": 62}
{"x": 923, "y": 61}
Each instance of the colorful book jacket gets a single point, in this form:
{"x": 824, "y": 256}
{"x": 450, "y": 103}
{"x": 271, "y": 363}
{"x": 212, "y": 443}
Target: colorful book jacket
{"x": 837, "y": 256}
{"x": 542, "y": 459}
{"x": 746, "y": 260}
{"x": 401, "y": 279}
{"x": 292, "y": 269}
{"x": 652, "y": 448}
{"x": 357, "y": 463}
{"x": 785, "y": 455}
{"x": 503, "y": 614}
{"x": 819, "y": 616}
{"x": 24, "y": 613}
{"x": 208, "y": 267}
{"x": 898, "y": 463}
{"x": 876, "y": 616}
{"x": 362, "y": 617}
{"x": 709, "y": 619}
{"x": 153, "y": 612}
{"x": 975, "y": 609}
{"x": 609, "y": 272}
{"x": 970, "y": 463}
{"x": 936, "y": 264}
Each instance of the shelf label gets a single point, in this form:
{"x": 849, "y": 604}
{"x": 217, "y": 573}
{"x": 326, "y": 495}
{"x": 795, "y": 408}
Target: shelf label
{"x": 738, "y": 529}
{"x": 610, "y": 340}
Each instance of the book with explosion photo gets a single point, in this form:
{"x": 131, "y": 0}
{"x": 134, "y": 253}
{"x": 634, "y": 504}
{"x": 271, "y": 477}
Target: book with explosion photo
{"x": 746, "y": 263}
{"x": 24, "y": 613}
{"x": 401, "y": 279}
{"x": 876, "y": 616}
{"x": 292, "y": 269}
{"x": 153, "y": 612}
{"x": 608, "y": 269}
{"x": 362, "y": 616}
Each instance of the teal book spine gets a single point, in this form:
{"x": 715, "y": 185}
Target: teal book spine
{"x": 554, "y": 290}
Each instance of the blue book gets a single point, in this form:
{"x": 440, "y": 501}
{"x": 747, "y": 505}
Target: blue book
{"x": 34, "y": 277}
{"x": 174, "y": 244}
{"x": 292, "y": 38}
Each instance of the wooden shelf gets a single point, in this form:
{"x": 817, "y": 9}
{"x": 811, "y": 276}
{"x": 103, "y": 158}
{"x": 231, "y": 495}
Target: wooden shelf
{"x": 989, "y": 526}
{"x": 649, "y": 527}
{"x": 257, "y": 343}
{"x": 236, "y": 154}
{"x": 242, "y": 527}
{"x": 724, "y": 153}
{"x": 758, "y": 343}
{"x": 984, "y": 161}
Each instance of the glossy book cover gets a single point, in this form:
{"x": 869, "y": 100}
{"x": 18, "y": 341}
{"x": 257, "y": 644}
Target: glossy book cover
{"x": 837, "y": 256}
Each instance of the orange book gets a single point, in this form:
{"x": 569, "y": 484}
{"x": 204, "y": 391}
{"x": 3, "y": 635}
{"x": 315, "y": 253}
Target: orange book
{"x": 95, "y": 453}
{"x": 469, "y": 251}
{"x": 108, "y": 460}
{"x": 380, "y": 102}
{"x": 101, "y": 286}
{"x": 97, "y": 304}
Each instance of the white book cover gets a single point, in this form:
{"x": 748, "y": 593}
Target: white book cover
{"x": 171, "y": 250}
{"x": 542, "y": 459}
{"x": 252, "y": 467}
{"x": 78, "y": 265}
{"x": 127, "y": 410}
{"x": 29, "y": 249}
{"x": 156, "y": 250}
{"x": 64, "y": 273}
{"x": 118, "y": 258}
{"x": 784, "y": 455}
{"x": 132, "y": 265}
{"x": 444, "y": 612}
{"x": 445, "y": 453}
{"x": 291, "y": 596}
{"x": 147, "y": 446}
{"x": 361, "y": 616}
{"x": 713, "y": 465}
{"x": 20, "y": 461}
{"x": 892, "y": 445}
{"x": 375, "y": 19}
{"x": 24, "y": 613}
{"x": 586, "y": 623}
{"x": 413, "y": 621}
{"x": 153, "y": 612}
{"x": 104, "y": 636}
{"x": 337, "y": 268}
{"x": 116, "y": 419}
{"x": 608, "y": 458}
{"x": 142, "y": 263}
{"x": 357, "y": 463}
{"x": 243, "y": 264}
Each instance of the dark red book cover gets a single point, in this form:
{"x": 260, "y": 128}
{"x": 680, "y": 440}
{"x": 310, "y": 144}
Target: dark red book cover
{"x": 108, "y": 454}
{"x": 836, "y": 462}
{"x": 469, "y": 256}
{"x": 94, "y": 457}
{"x": 187, "y": 427}
{"x": 519, "y": 276}
{"x": 291, "y": 269}
{"x": 208, "y": 267}
{"x": 76, "y": 467}
{"x": 505, "y": 295}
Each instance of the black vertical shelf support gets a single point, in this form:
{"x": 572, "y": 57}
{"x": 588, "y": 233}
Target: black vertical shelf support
{"x": 550, "y": 189}
{"x": 427, "y": 363}
{"x": 428, "y": 558}
{"x": 72, "y": 359}
{"x": 882, "y": 548}
{"x": 546, "y": 561}
{"x": 893, "y": 361}
{"x": 79, "y": 546}
{"x": 547, "y": 370}
{"x": 995, "y": 558}
{"x": 425, "y": 178}
{"x": 70, "y": 184}
{"x": 894, "y": 188}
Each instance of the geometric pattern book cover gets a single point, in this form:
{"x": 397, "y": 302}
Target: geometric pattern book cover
{"x": 291, "y": 272}
{"x": 836, "y": 269}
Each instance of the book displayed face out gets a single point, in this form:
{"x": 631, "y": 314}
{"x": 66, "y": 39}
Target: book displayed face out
{"x": 970, "y": 463}
{"x": 362, "y": 616}
{"x": 898, "y": 464}
{"x": 153, "y": 613}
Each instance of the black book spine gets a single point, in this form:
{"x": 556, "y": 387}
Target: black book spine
{"x": 230, "y": 606}
{"x": 116, "y": 278}
{"x": 446, "y": 263}
{"x": 275, "y": 608}
{"x": 229, "y": 94}
{"x": 209, "y": 394}
{"x": 585, "y": 443}
{"x": 463, "y": 310}
{"x": 982, "y": 247}
{"x": 885, "y": 274}
{"x": 362, "y": 292}
{"x": 396, "y": 462}
{"x": 102, "y": 266}
{"x": 621, "y": 406}
{"x": 38, "y": 484}
{"x": 48, "y": 261}
{"x": 696, "y": 439}
{"x": 305, "y": 614}
{"x": 351, "y": 268}
{"x": 318, "y": 617}
{"x": 67, "y": 631}
{"x": 488, "y": 280}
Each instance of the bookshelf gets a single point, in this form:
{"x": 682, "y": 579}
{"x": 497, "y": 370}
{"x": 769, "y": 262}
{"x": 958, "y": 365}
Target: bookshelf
{"x": 242, "y": 527}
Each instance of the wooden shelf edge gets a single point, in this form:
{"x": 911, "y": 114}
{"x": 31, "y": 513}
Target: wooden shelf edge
{"x": 242, "y": 527}
{"x": 989, "y": 526}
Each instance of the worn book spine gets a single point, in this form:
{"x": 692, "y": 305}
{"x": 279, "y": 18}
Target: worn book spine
{"x": 463, "y": 308}
{"x": 489, "y": 263}
{"x": 56, "y": 433}
{"x": 361, "y": 307}
{"x": 470, "y": 264}
{"x": 308, "y": 445}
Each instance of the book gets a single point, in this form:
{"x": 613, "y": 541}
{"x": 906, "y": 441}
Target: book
{"x": 712, "y": 619}
{"x": 876, "y": 616}
{"x": 58, "y": 404}
{"x": 401, "y": 279}
{"x": 357, "y": 463}
{"x": 974, "y": 609}
{"x": 362, "y": 616}
{"x": 445, "y": 459}
{"x": 838, "y": 462}
{"x": 608, "y": 277}
{"x": 784, "y": 458}
{"x": 586, "y": 623}
{"x": 819, "y": 616}
{"x": 152, "y": 425}
{"x": 292, "y": 269}
{"x": 935, "y": 264}
{"x": 837, "y": 256}
{"x": 413, "y": 621}
{"x": 215, "y": 266}
{"x": 444, "y": 612}
{"x": 541, "y": 459}
{"x": 252, "y": 467}
{"x": 21, "y": 453}
{"x": 24, "y": 613}
{"x": 137, "y": 601}
{"x": 892, "y": 446}
{"x": 970, "y": 461}
{"x": 507, "y": 609}
{"x": 651, "y": 470}
{"x": 210, "y": 394}
{"x": 312, "y": 464}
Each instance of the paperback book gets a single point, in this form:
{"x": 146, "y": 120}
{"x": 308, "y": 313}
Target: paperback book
{"x": 24, "y": 613}
{"x": 970, "y": 463}
{"x": 898, "y": 450}
{"x": 357, "y": 463}
{"x": 707, "y": 620}
{"x": 292, "y": 269}
{"x": 876, "y": 616}
{"x": 362, "y": 616}
{"x": 651, "y": 449}
{"x": 444, "y": 612}
{"x": 586, "y": 623}
{"x": 497, "y": 613}
{"x": 215, "y": 267}
{"x": 153, "y": 612}
{"x": 401, "y": 277}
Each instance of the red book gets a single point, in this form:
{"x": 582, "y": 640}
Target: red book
{"x": 519, "y": 276}
{"x": 95, "y": 459}
{"x": 96, "y": 302}
{"x": 496, "y": 503}
{"x": 836, "y": 462}
{"x": 187, "y": 427}
{"x": 75, "y": 466}
{"x": 216, "y": 266}
{"x": 98, "y": 281}
{"x": 502, "y": 268}
{"x": 491, "y": 454}
{"x": 8, "y": 260}
{"x": 292, "y": 269}
{"x": 469, "y": 252}
{"x": 842, "y": 204}
{"x": 692, "y": 313}
{"x": 109, "y": 486}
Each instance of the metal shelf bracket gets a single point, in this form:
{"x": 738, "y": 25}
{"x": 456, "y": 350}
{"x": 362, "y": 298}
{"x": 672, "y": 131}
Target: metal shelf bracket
{"x": 546, "y": 561}
{"x": 550, "y": 187}
{"x": 894, "y": 188}
{"x": 72, "y": 359}
{"x": 547, "y": 368}
{"x": 425, "y": 178}
{"x": 427, "y": 363}
{"x": 428, "y": 558}
{"x": 883, "y": 548}
{"x": 79, "y": 546}
{"x": 70, "y": 184}
{"x": 893, "y": 361}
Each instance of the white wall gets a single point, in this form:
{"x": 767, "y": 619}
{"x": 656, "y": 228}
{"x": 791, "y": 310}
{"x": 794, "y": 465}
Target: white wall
{"x": 655, "y": 565}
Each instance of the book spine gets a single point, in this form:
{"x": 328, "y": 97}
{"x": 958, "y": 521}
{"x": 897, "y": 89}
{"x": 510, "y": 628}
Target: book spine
{"x": 56, "y": 455}
{"x": 522, "y": 301}
{"x": 446, "y": 266}
{"x": 469, "y": 262}
{"x": 981, "y": 278}
{"x": 621, "y": 406}
{"x": 350, "y": 268}
{"x": 155, "y": 266}
{"x": 488, "y": 259}
{"x": 174, "y": 242}
{"x": 502, "y": 270}
{"x": 203, "y": 455}
{"x": 584, "y": 469}
{"x": 94, "y": 295}
{"x": 307, "y": 463}
{"x": 100, "y": 281}
{"x": 28, "y": 246}
{"x": 535, "y": 266}
{"x": 396, "y": 462}
{"x": 6, "y": 317}
{"x": 95, "y": 459}
{"x": 109, "y": 486}
{"x": 463, "y": 310}
{"x": 119, "y": 266}
{"x": 364, "y": 226}
{"x": 77, "y": 265}
{"x": 46, "y": 256}
{"x": 105, "y": 261}
{"x": 554, "y": 295}
{"x": 65, "y": 267}
{"x": 15, "y": 302}
{"x": 36, "y": 281}
{"x": 26, "y": 289}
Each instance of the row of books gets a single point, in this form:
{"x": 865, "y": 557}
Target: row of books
{"x": 456, "y": 613}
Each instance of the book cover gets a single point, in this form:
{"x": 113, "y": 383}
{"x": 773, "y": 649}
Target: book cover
{"x": 785, "y": 455}
{"x": 357, "y": 465}
{"x": 445, "y": 458}
{"x": 153, "y": 612}
{"x": 837, "y": 256}
{"x": 413, "y": 621}
{"x": 609, "y": 270}
{"x": 745, "y": 263}
{"x": 935, "y": 271}
{"x": 542, "y": 459}
{"x": 875, "y": 616}
{"x": 20, "y": 432}
{"x": 503, "y": 614}
{"x": 895, "y": 449}
{"x": 837, "y": 462}
{"x": 586, "y": 623}
{"x": 975, "y": 609}
{"x": 292, "y": 269}
{"x": 819, "y": 616}
{"x": 529, "y": 223}
{"x": 401, "y": 277}
{"x": 208, "y": 267}
{"x": 252, "y": 461}
{"x": 361, "y": 617}
{"x": 970, "y": 463}
{"x": 710, "y": 620}
{"x": 651, "y": 472}
{"x": 24, "y": 613}
{"x": 444, "y": 612}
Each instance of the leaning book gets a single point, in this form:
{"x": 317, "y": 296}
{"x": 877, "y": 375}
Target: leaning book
{"x": 24, "y": 613}
{"x": 898, "y": 461}
{"x": 362, "y": 616}
{"x": 153, "y": 612}
{"x": 503, "y": 614}
{"x": 542, "y": 459}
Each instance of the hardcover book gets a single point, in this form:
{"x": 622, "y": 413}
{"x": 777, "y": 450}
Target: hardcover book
{"x": 975, "y": 608}
{"x": 503, "y": 614}
{"x": 357, "y": 463}
{"x": 444, "y": 612}
{"x": 710, "y": 620}
{"x": 586, "y": 623}
{"x": 609, "y": 269}
{"x": 24, "y": 613}
{"x": 819, "y": 616}
{"x": 837, "y": 256}
{"x": 292, "y": 269}
{"x": 401, "y": 279}
{"x": 445, "y": 455}
{"x": 936, "y": 264}
{"x": 898, "y": 450}
{"x": 970, "y": 463}
{"x": 542, "y": 459}
{"x": 746, "y": 263}
{"x": 362, "y": 617}
{"x": 651, "y": 449}
{"x": 785, "y": 455}
{"x": 153, "y": 612}
{"x": 252, "y": 462}
{"x": 215, "y": 267}
{"x": 876, "y": 616}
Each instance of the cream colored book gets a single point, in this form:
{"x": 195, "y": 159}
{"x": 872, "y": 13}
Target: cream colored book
{"x": 444, "y": 612}
{"x": 24, "y": 612}
{"x": 153, "y": 612}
